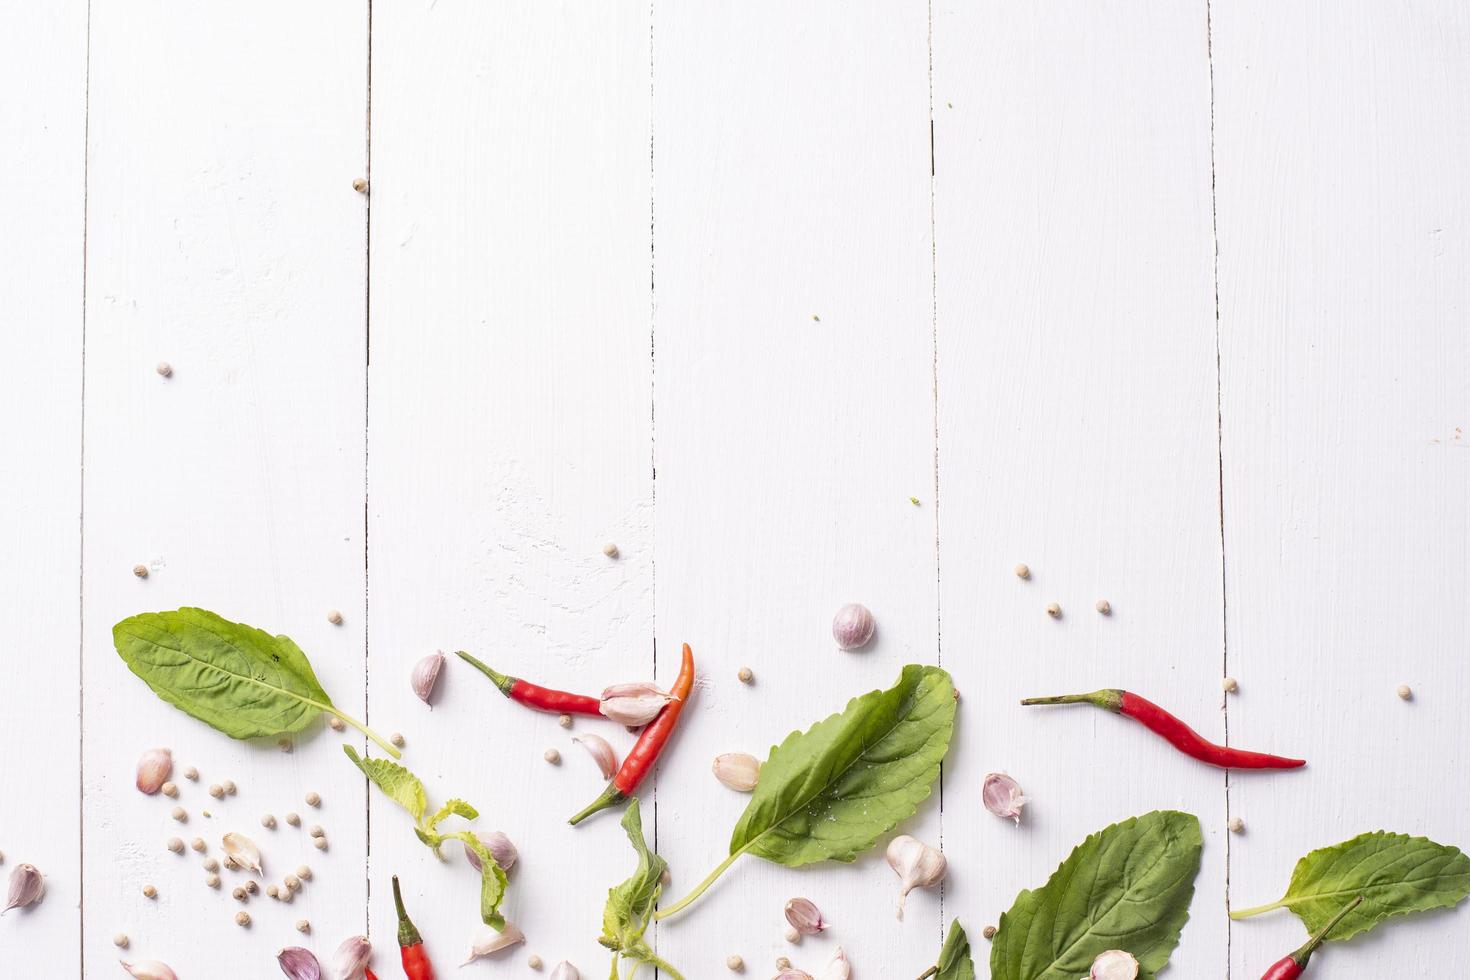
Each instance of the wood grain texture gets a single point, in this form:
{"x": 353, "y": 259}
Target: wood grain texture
{"x": 224, "y": 238}
{"x": 43, "y": 71}
{"x": 511, "y": 438}
{"x": 1342, "y": 140}
{"x": 1077, "y": 431}
{"x": 794, "y": 417}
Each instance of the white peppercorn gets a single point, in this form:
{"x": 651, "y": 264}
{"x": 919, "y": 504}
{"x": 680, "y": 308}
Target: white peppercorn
{"x": 120, "y": 940}
{"x": 313, "y": 799}
{"x": 242, "y": 918}
{"x": 334, "y": 617}
{"x": 149, "y": 891}
{"x": 303, "y": 926}
{"x": 176, "y": 845}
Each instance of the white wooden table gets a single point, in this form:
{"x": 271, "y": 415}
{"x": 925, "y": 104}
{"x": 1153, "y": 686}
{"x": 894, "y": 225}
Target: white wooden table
{"x": 1168, "y": 301}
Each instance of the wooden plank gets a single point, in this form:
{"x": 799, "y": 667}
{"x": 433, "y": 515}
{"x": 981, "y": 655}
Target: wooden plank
{"x": 43, "y": 70}
{"x": 794, "y": 419}
{"x": 1342, "y": 142}
{"x": 224, "y": 238}
{"x": 1077, "y": 430}
{"x": 510, "y": 436}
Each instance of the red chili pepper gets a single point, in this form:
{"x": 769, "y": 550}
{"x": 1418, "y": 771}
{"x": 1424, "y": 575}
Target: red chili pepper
{"x": 416, "y": 965}
{"x": 1293, "y": 966}
{"x": 535, "y": 696}
{"x": 650, "y": 744}
{"x": 369, "y": 974}
{"x": 1180, "y": 735}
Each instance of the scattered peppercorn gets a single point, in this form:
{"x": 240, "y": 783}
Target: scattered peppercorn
{"x": 1230, "y": 685}
{"x": 268, "y": 822}
{"x": 292, "y": 883}
{"x": 252, "y": 886}
{"x": 304, "y": 873}
{"x": 782, "y": 963}
{"x": 179, "y": 814}
{"x": 397, "y": 739}
{"x": 534, "y": 961}
{"x": 198, "y": 844}
{"x": 792, "y": 936}
{"x": 320, "y": 843}
{"x": 360, "y": 185}
{"x": 313, "y": 799}
{"x": 565, "y": 721}
{"x": 141, "y": 571}
{"x": 240, "y": 894}
{"x": 191, "y": 774}
{"x": 217, "y": 791}
{"x": 746, "y": 675}
{"x": 1236, "y": 825}
{"x": 610, "y": 549}
{"x": 212, "y": 881}
{"x": 242, "y": 918}
{"x": 337, "y": 724}
{"x": 734, "y": 962}
{"x": 229, "y": 787}
{"x": 294, "y": 819}
{"x": 176, "y": 845}
{"x": 1053, "y": 610}
{"x": 552, "y": 756}
{"x": 317, "y": 831}
{"x": 170, "y": 790}
{"x": 303, "y": 926}
{"x": 149, "y": 891}
{"x": 274, "y": 891}
{"x": 1023, "y": 571}
{"x": 230, "y": 863}
{"x": 988, "y": 932}
{"x": 1105, "y": 607}
{"x": 210, "y": 864}
{"x": 334, "y": 617}
{"x": 1406, "y": 692}
{"x": 120, "y": 941}
{"x": 164, "y": 369}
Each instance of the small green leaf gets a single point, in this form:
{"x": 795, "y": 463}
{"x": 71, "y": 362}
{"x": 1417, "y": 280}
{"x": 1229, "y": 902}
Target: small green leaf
{"x": 235, "y": 678}
{"x": 1395, "y": 874}
{"x": 1126, "y": 887}
{"x": 453, "y": 808}
{"x": 396, "y": 782}
{"x": 828, "y": 794}
{"x": 954, "y": 958}
{"x": 630, "y": 905}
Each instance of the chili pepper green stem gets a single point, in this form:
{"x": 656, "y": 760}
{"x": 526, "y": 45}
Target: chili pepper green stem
{"x": 611, "y": 796}
{"x": 502, "y": 681}
{"x": 1304, "y": 954}
{"x": 702, "y": 887}
{"x": 377, "y": 739}
{"x": 1107, "y": 699}
{"x": 408, "y": 934}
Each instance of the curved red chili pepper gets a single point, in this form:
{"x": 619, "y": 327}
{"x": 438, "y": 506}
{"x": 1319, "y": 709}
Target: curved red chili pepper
{"x": 536, "y": 696}
{"x": 1293, "y": 966}
{"x": 640, "y": 761}
{"x": 1176, "y": 732}
{"x": 416, "y": 965}
{"x": 369, "y": 974}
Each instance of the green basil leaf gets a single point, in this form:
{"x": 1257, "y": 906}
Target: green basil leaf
{"x": 828, "y": 793}
{"x": 630, "y": 905}
{"x": 1394, "y": 873}
{"x": 955, "y": 962}
{"x": 235, "y": 678}
{"x": 1127, "y": 887}
{"x": 396, "y": 782}
{"x": 492, "y": 878}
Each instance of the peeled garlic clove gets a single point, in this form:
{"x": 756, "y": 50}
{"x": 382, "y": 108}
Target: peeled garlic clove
{"x": 1003, "y": 796}
{"x": 154, "y": 768}
{"x": 837, "y": 968}
{"x": 565, "y": 971}
{"x": 804, "y": 916}
{"x": 792, "y": 974}
{"x": 738, "y": 770}
{"x": 426, "y": 675}
{"x": 351, "y": 957}
{"x": 634, "y": 705}
{"x": 299, "y": 964}
{"x": 852, "y": 627}
{"x": 917, "y": 865}
{"x": 1115, "y": 964}
{"x": 27, "y": 885}
{"x": 242, "y": 851}
{"x": 149, "y": 970}
{"x": 488, "y": 941}
{"x": 601, "y": 752}
{"x": 500, "y": 848}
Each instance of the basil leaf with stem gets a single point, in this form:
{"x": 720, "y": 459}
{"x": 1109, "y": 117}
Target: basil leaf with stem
{"x": 955, "y": 962}
{"x": 829, "y": 793}
{"x": 235, "y": 678}
{"x": 630, "y": 905}
{"x": 1395, "y": 874}
{"x": 405, "y": 789}
{"x": 1126, "y": 887}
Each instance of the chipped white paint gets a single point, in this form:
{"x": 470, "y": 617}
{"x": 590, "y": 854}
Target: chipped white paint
{"x": 679, "y": 278}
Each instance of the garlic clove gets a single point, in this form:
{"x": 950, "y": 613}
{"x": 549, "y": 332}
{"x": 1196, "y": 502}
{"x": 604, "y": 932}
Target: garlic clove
{"x": 1003, "y": 797}
{"x": 853, "y": 626}
{"x": 242, "y": 851}
{"x": 149, "y": 970}
{"x": 488, "y": 941}
{"x": 601, "y": 752}
{"x": 351, "y": 958}
{"x": 739, "y": 771}
{"x": 917, "y": 865}
{"x": 794, "y": 974}
{"x": 154, "y": 768}
{"x": 838, "y": 968}
{"x": 426, "y": 675}
{"x": 500, "y": 848}
{"x": 565, "y": 971}
{"x": 27, "y": 885}
{"x": 634, "y": 705}
{"x": 299, "y": 964}
{"x": 805, "y": 917}
{"x": 1115, "y": 964}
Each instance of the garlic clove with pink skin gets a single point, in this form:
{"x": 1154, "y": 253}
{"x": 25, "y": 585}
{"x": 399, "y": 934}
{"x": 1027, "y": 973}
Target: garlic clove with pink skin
{"x": 794, "y": 975}
{"x": 351, "y": 958}
{"x": 149, "y": 970}
{"x": 1115, "y": 964}
{"x": 299, "y": 964}
{"x": 634, "y": 705}
{"x": 805, "y": 917}
{"x": 27, "y": 886}
{"x": 565, "y": 971}
{"x": 488, "y": 941}
{"x": 601, "y": 752}
{"x": 837, "y": 968}
{"x": 500, "y": 848}
{"x": 853, "y": 626}
{"x": 1003, "y": 797}
{"x": 917, "y": 865}
{"x": 154, "y": 768}
{"x": 739, "y": 771}
{"x": 426, "y": 675}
